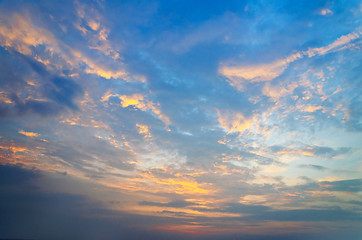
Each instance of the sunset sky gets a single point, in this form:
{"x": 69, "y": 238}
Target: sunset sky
{"x": 179, "y": 119}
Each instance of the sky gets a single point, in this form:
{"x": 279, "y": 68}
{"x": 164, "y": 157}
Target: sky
{"x": 180, "y": 119}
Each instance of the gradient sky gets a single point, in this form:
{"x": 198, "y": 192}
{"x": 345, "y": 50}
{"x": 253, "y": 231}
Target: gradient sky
{"x": 181, "y": 119}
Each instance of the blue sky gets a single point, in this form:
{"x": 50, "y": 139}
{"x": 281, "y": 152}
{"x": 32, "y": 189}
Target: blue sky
{"x": 180, "y": 119}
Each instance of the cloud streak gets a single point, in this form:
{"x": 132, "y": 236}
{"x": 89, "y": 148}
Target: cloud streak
{"x": 237, "y": 75}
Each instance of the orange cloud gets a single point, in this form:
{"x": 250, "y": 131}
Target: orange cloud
{"x": 275, "y": 92}
{"x": 15, "y": 148}
{"x": 96, "y": 69}
{"x": 4, "y": 98}
{"x": 144, "y": 130}
{"x": 98, "y": 37}
{"x": 29, "y": 134}
{"x": 310, "y": 108}
{"x": 81, "y": 121}
{"x": 138, "y": 101}
{"x": 233, "y": 122}
{"x": 256, "y": 73}
{"x": 180, "y": 184}
{"x": 93, "y": 25}
{"x": 305, "y": 152}
{"x": 20, "y": 34}
{"x": 101, "y": 70}
{"x": 107, "y": 74}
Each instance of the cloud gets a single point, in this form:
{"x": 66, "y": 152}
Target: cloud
{"x": 313, "y": 166}
{"x": 206, "y": 32}
{"x": 15, "y": 176}
{"x": 76, "y": 59}
{"x": 326, "y": 188}
{"x": 181, "y": 184}
{"x": 21, "y": 35}
{"x": 92, "y": 156}
{"x": 353, "y": 185}
{"x": 330, "y": 152}
{"x": 13, "y": 148}
{"x": 84, "y": 122}
{"x": 237, "y": 76}
{"x": 309, "y": 108}
{"x": 108, "y": 132}
{"x": 63, "y": 91}
{"x": 173, "y": 204}
{"x": 138, "y": 101}
{"x": 325, "y": 11}
{"x": 4, "y": 98}
{"x": 96, "y": 69}
{"x": 233, "y": 122}
{"x": 91, "y": 24}
{"x": 29, "y": 134}
{"x": 242, "y": 208}
{"x": 94, "y": 25}
{"x": 312, "y": 215}
{"x": 257, "y": 73}
{"x": 50, "y": 96}
{"x": 144, "y": 130}
{"x": 337, "y": 45}
{"x": 319, "y": 151}
{"x": 277, "y": 91}
{"x": 102, "y": 72}
{"x": 57, "y": 212}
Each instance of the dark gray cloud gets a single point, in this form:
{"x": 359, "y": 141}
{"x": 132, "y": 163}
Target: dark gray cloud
{"x": 329, "y": 152}
{"x": 238, "y": 208}
{"x": 352, "y": 186}
{"x": 15, "y": 175}
{"x": 173, "y": 204}
{"x": 82, "y": 154}
{"x": 62, "y": 91}
{"x": 29, "y": 213}
{"x": 52, "y": 95}
{"x": 313, "y": 166}
{"x": 242, "y": 208}
{"x": 308, "y": 215}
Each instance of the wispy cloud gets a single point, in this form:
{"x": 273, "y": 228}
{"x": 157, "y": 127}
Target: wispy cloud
{"x": 138, "y": 101}
{"x": 233, "y": 122}
{"x": 237, "y": 75}
{"x": 21, "y": 35}
{"x": 257, "y": 73}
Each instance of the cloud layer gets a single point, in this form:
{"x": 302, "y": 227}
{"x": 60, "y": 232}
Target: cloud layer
{"x": 180, "y": 120}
